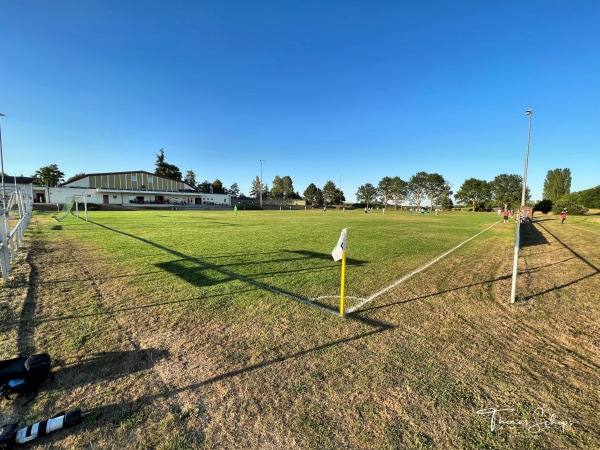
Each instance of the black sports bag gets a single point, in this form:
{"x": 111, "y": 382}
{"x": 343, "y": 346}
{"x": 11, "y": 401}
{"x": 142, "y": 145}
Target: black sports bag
{"x": 23, "y": 374}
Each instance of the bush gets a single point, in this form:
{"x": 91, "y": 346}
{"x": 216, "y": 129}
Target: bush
{"x": 544, "y": 206}
{"x": 590, "y": 197}
{"x": 570, "y": 202}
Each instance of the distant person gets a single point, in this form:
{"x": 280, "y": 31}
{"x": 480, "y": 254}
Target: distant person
{"x": 235, "y": 209}
{"x": 325, "y": 209}
{"x": 366, "y": 211}
{"x": 563, "y": 216}
{"x": 506, "y": 214}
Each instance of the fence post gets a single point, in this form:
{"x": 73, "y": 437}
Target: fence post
{"x": 4, "y": 250}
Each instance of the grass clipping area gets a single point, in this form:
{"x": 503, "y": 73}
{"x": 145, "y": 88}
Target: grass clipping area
{"x": 178, "y": 330}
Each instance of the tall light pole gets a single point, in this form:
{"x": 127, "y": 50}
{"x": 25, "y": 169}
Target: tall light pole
{"x": 529, "y": 112}
{"x": 261, "y": 183}
{"x": 2, "y": 168}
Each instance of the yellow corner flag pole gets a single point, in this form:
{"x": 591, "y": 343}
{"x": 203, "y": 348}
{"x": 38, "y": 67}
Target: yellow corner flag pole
{"x": 339, "y": 252}
{"x": 343, "y": 284}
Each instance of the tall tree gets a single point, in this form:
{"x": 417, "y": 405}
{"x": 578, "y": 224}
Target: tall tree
{"x": 48, "y": 176}
{"x": 277, "y": 188}
{"x": 329, "y": 193}
{"x": 417, "y": 187}
{"x": 234, "y": 190}
{"x": 508, "y": 189}
{"x": 367, "y": 193}
{"x": 204, "y": 187}
{"x": 190, "y": 178}
{"x": 288, "y": 187}
{"x": 557, "y": 184}
{"x": 474, "y": 191}
{"x": 164, "y": 169}
{"x": 217, "y": 186}
{"x": 385, "y": 189}
{"x": 313, "y": 195}
{"x": 339, "y": 198}
{"x": 435, "y": 186}
{"x": 399, "y": 190}
{"x": 255, "y": 190}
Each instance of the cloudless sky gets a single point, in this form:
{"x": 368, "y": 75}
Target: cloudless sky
{"x": 348, "y": 91}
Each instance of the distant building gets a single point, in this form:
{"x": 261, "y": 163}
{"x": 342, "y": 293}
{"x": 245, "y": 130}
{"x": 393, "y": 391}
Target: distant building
{"x": 127, "y": 188}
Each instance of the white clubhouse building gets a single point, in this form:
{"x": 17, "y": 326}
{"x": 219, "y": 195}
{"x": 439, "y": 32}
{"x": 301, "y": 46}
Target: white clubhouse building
{"x": 125, "y": 188}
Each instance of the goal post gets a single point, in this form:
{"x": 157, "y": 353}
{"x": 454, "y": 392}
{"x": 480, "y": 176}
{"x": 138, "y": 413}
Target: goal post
{"x": 68, "y": 208}
{"x": 75, "y": 197}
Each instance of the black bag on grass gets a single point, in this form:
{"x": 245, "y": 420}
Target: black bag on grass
{"x": 24, "y": 374}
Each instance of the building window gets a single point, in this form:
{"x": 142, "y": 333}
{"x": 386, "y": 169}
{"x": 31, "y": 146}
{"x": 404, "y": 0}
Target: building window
{"x": 134, "y": 178}
{"x": 149, "y": 179}
{"x": 114, "y": 196}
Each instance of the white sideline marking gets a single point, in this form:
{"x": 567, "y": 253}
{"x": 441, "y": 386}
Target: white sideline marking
{"x": 414, "y": 272}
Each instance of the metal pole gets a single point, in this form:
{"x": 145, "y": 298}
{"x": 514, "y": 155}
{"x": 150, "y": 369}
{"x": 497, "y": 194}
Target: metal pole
{"x": 513, "y": 288}
{"x": 261, "y": 183}
{"x": 2, "y": 168}
{"x": 529, "y": 112}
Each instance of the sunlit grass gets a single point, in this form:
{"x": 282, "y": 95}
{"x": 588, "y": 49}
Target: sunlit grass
{"x": 183, "y": 329}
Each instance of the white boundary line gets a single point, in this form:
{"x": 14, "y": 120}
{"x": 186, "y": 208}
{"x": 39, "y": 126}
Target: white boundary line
{"x": 416, "y": 271}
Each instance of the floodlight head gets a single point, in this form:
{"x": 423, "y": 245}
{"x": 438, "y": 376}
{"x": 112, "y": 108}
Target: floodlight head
{"x": 528, "y": 112}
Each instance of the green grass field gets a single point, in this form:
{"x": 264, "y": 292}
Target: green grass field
{"x": 181, "y": 329}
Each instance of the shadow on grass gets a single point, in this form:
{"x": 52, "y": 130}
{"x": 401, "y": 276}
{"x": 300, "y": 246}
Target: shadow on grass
{"x": 325, "y": 256}
{"x": 191, "y": 273}
{"x": 25, "y": 331}
{"x": 595, "y": 269}
{"x": 531, "y": 236}
{"x": 133, "y": 309}
{"x": 105, "y": 366}
{"x": 434, "y": 294}
{"x": 127, "y": 408}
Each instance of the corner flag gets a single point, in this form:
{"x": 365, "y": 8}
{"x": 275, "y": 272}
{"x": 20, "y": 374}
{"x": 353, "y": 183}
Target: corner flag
{"x": 339, "y": 252}
{"x": 340, "y": 248}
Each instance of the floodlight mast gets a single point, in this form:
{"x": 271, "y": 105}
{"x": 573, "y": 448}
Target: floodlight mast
{"x": 529, "y": 112}
{"x": 513, "y": 288}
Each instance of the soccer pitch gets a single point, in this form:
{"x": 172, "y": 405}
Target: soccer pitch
{"x": 285, "y": 253}
{"x": 203, "y": 329}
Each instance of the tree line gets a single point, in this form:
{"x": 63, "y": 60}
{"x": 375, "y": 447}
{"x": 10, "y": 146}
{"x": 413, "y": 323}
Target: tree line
{"x": 421, "y": 189}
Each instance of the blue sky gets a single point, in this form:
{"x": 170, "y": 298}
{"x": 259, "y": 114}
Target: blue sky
{"x": 347, "y": 91}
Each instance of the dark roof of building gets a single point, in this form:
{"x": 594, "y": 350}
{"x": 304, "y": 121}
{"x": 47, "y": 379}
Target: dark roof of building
{"x": 11, "y": 179}
{"x": 123, "y": 173}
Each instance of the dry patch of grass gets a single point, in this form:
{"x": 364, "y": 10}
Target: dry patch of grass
{"x": 200, "y": 359}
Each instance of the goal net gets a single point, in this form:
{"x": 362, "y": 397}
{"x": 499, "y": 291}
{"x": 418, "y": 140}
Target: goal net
{"x": 72, "y": 207}
{"x": 66, "y": 209}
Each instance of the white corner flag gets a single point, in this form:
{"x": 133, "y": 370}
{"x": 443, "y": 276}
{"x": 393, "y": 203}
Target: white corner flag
{"x": 340, "y": 248}
{"x": 339, "y": 252}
